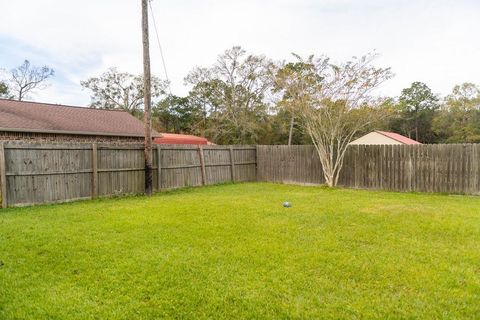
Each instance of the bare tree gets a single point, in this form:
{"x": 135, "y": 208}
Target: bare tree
{"x": 26, "y": 78}
{"x": 334, "y": 103}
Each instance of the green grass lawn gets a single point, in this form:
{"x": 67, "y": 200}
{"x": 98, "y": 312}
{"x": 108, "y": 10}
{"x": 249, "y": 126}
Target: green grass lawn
{"x": 233, "y": 251}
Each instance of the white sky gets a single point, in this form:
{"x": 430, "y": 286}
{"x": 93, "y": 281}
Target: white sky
{"x": 432, "y": 41}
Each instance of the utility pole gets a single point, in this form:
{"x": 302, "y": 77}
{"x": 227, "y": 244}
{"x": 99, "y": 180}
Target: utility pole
{"x": 147, "y": 100}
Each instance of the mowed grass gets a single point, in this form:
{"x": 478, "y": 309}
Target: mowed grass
{"x": 233, "y": 251}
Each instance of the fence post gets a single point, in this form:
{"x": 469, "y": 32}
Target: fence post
{"x": 94, "y": 171}
{"x": 256, "y": 163}
{"x": 232, "y": 163}
{"x": 409, "y": 169}
{"x": 3, "y": 176}
{"x": 202, "y": 164}
{"x": 159, "y": 168}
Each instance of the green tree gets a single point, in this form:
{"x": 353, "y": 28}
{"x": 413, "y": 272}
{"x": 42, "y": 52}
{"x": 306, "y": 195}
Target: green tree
{"x": 121, "y": 90}
{"x": 416, "y": 108}
{"x": 279, "y": 129}
{"x": 176, "y": 114}
{"x": 233, "y": 96}
{"x": 4, "y": 90}
{"x": 458, "y": 121}
{"x": 295, "y": 81}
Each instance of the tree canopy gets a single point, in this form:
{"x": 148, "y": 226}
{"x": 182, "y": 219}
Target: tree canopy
{"x": 458, "y": 121}
{"x": 121, "y": 90}
{"x": 233, "y": 94}
{"x": 3, "y": 90}
{"x": 416, "y": 109}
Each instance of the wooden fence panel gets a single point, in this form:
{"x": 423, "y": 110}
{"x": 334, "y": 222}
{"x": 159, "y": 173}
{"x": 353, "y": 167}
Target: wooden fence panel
{"x": 43, "y": 174}
{"x": 180, "y": 167}
{"x": 289, "y": 164}
{"x": 217, "y": 165}
{"x": 34, "y": 173}
{"x": 245, "y": 163}
{"x": 120, "y": 171}
{"x": 183, "y": 166}
{"x": 422, "y": 168}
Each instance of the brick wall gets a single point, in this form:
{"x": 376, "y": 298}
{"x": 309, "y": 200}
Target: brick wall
{"x": 52, "y": 137}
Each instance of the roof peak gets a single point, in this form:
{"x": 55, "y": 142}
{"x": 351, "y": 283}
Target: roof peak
{"x": 397, "y": 137}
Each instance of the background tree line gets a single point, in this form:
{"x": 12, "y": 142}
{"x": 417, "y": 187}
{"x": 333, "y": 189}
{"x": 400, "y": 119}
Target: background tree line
{"x": 428, "y": 118}
{"x": 241, "y": 99}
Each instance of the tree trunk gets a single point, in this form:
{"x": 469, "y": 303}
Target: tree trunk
{"x": 330, "y": 182}
{"x": 290, "y": 132}
{"x": 416, "y": 126}
{"x": 328, "y": 175}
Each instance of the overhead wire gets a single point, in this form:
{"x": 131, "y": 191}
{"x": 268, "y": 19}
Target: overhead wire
{"x": 160, "y": 47}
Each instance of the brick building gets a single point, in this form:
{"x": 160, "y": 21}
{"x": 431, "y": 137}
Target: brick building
{"x": 43, "y": 122}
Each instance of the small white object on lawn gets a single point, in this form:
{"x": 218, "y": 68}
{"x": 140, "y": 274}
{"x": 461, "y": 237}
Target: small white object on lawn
{"x": 287, "y": 204}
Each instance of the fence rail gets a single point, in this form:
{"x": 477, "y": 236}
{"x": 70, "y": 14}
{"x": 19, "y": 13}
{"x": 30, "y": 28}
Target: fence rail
{"x": 46, "y": 173}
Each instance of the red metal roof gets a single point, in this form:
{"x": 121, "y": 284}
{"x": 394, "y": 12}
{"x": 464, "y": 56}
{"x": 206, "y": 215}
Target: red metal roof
{"x": 398, "y": 137}
{"x": 27, "y": 116}
{"x": 172, "y": 138}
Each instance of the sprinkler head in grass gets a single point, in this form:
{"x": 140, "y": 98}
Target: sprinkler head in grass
{"x": 287, "y": 204}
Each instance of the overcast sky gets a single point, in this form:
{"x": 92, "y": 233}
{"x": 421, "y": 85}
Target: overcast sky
{"x": 433, "y": 41}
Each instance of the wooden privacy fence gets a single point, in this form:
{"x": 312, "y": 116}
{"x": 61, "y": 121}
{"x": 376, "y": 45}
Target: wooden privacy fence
{"x": 423, "y": 168}
{"x": 449, "y": 168}
{"x": 183, "y": 166}
{"x": 41, "y": 173}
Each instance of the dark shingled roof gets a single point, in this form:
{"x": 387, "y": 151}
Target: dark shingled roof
{"x": 23, "y": 116}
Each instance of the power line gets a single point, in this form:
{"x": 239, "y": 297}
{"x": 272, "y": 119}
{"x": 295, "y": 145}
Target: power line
{"x": 160, "y": 47}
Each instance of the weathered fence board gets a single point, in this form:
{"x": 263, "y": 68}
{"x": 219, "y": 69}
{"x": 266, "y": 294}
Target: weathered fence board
{"x": 3, "y": 177}
{"x": 289, "y": 164}
{"x": 423, "y": 168}
{"x": 192, "y": 166}
{"x": 45, "y": 173}
{"x": 121, "y": 171}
